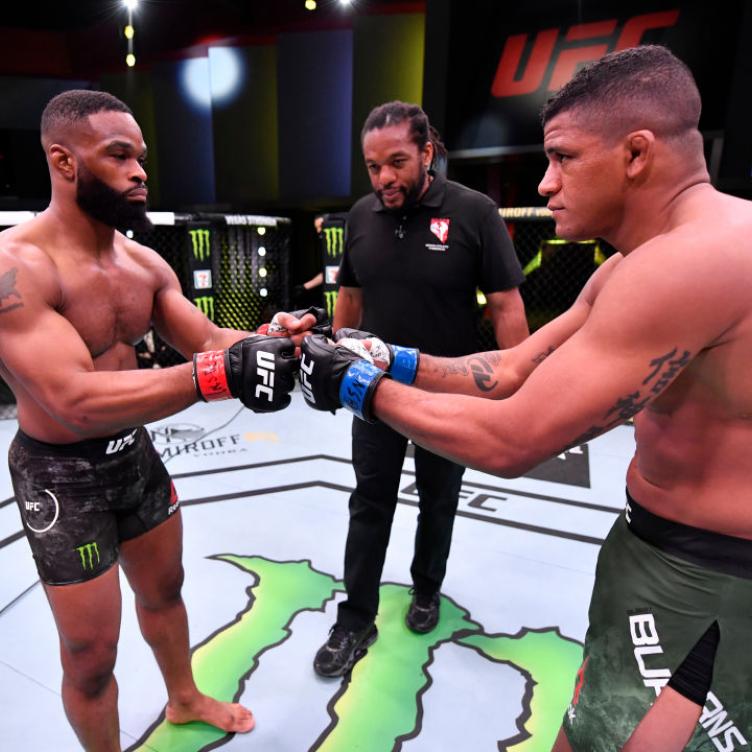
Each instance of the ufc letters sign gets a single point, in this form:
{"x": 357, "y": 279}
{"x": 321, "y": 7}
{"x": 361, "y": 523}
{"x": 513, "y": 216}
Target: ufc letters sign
{"x": 555, "y": 56}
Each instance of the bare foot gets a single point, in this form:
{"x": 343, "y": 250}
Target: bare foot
{"x": 227, "y": 716}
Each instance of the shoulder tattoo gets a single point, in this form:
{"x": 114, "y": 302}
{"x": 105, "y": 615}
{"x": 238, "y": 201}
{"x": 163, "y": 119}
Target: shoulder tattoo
{"x": 10, "y": 298}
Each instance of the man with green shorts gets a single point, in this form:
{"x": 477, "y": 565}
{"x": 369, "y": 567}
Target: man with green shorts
{"x": 663, "y": 332}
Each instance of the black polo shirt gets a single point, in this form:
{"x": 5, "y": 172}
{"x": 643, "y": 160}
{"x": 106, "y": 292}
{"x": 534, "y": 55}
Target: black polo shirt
{"x": 419, "y": 270}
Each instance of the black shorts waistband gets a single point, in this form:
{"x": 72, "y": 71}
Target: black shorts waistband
{"x": 93, "y": 449}
{"x": 722, "y": 553}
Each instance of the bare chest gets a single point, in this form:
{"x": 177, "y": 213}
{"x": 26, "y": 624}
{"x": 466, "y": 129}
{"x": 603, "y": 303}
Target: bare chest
{"x": 108, "y": 306}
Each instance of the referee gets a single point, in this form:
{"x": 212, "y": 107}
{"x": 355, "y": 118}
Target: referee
{"x": 416, "y": 251}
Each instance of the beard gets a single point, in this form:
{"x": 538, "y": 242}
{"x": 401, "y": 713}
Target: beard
{"x": 108, "y": 206}
{"x": 412, "y": 194}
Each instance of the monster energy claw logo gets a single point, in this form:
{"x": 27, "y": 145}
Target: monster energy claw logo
{"x": 205, "y": 304}
{"x": 201, "y": 243}
{"x": 87, "y": 552}
{"x": 334, "y": 240}
{"x": 330, "y": 297}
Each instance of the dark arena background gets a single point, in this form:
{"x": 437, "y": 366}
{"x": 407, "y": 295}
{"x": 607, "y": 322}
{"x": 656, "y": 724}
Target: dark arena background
{"x": 252, "y": 113}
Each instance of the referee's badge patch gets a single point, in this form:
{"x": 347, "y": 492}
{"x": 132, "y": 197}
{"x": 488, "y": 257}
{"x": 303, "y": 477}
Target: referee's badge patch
{"x": 440, "y": 228}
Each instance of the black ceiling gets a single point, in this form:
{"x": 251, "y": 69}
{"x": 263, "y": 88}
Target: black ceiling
{"x": 234, "y": 16}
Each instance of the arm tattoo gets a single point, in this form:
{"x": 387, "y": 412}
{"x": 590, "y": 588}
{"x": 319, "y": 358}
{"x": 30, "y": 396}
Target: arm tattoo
{"x": 7, "y": 290}
{"x": 482, "y": 368}
{"x": 664, "y": 369}
{"x": 540, "y": 357}
{"x": 452, "y": 369}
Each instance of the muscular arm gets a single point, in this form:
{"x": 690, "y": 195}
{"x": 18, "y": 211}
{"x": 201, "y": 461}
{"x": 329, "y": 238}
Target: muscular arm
{"x": 348, "y": 312}
{"x": 180, "y": 323}
{"x": 65, "y": 384}
{"x": 626, "y": 353}
{"x": 508, "y": 317}
{"x": 495, "y": 375}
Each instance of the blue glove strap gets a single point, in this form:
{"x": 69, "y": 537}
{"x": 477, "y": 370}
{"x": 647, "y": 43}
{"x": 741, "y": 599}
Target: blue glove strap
{"x": 357, "y": 386}
{"x": 404, "y": 364}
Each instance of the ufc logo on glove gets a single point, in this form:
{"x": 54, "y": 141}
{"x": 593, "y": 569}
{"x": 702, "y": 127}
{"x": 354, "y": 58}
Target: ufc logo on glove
{"x": 265, "y": 370}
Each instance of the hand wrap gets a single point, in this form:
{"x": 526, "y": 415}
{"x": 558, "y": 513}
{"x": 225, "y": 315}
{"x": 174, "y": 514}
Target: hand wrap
{"x": 332, "y": 376}
{"x": 258, "y": 370}
{"x": 402, "y": 362}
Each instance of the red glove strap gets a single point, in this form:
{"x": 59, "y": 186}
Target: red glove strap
{"x": 263, "y": 329}
{"x": 210, "y": 375}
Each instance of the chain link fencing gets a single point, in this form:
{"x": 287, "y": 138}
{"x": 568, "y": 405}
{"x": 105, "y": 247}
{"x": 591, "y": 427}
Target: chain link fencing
{"x": 555, "y": 270}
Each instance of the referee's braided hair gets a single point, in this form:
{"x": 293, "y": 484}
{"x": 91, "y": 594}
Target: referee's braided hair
{"x": 394, "y": 113}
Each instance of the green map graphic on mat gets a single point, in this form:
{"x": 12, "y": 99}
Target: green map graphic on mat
{"x": 380, "y": 706}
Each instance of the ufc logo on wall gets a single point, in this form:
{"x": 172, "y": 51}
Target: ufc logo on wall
{"x": 554, "y": 58}
{"x": 265, "y": 369}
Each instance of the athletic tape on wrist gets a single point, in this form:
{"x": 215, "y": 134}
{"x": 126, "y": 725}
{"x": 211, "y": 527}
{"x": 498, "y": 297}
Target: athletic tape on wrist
{"x": 210, "y": 375}
{"x": 404, "y": 364}
{"x": 357, "y": 387}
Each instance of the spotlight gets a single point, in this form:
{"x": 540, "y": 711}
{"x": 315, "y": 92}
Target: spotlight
{"x": 261, "y": 230}
{"x": 262, "y": 271}
{"x": 128, "y": 32}
{"x": 263, "y": 292}
{"x": 262, "y": 251}
{"x": 130, "y": 4}
{"x": 130, "y": 59}
{"x": 345, "y": 3}
{"x": 310, "y": 4}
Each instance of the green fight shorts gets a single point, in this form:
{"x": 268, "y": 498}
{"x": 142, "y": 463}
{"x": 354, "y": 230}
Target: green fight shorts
{"x": 659, "y": 586}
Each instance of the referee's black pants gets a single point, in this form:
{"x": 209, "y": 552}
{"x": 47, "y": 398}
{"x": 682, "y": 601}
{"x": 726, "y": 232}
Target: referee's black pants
{"x": 378, "y": 454}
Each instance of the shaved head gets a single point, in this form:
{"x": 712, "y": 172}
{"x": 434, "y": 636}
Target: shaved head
{"x": 67, "y": 110}
{"x": 644, "y": 87}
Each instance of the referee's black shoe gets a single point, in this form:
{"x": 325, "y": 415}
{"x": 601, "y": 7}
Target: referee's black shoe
{"x": 423, "y": 614}
{"x": 343, "y": 649}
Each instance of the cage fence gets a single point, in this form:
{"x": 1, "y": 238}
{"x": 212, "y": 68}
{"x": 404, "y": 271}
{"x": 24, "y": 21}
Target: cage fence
{"x": 555, "y": 269}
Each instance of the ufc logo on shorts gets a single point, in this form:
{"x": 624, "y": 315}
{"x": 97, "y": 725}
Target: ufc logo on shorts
{"x": 265, "y": 369}
{"x": 645, "y": 639}
{"x": 117, "y": 445}
{"x": 306, "y": 369}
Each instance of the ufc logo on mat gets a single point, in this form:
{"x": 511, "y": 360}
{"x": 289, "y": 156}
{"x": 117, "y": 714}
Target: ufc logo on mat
{"x": 555, "y": 59}
{"x": 265, "y": 369}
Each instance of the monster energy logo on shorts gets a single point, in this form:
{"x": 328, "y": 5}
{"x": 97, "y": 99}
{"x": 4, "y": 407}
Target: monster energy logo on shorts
{"x": 87, "y": 552}
{"x": 330, "y": 298}
{"x": 334, "y": 240}
{"x": 201, "y": 243}
{"x": 205, "y": 304}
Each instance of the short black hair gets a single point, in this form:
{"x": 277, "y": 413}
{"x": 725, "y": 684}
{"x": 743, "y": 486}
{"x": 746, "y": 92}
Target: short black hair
{"x": 396, "y": 112}
{"x": 641, "y": 87}
{"x": 74, "y": 105}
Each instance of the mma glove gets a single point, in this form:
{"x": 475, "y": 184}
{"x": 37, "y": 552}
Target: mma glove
{"x": 402, "y": 362}
{"x": 332, "y": 376}
{"x": 322, "y": 325}
{"x": 258, "y": 370}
